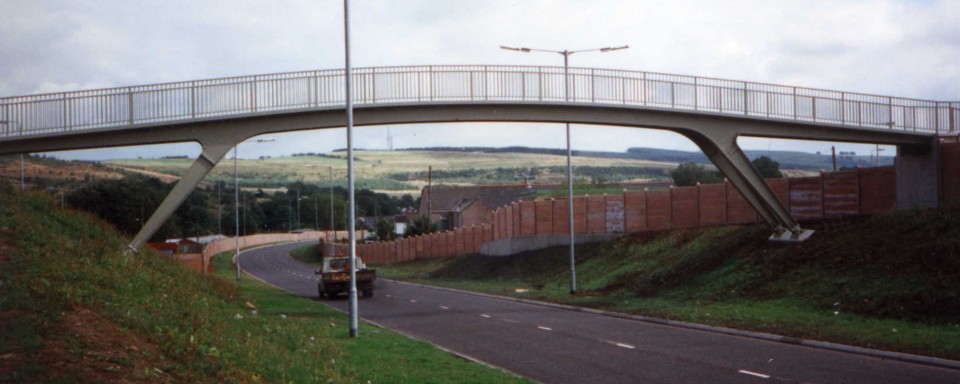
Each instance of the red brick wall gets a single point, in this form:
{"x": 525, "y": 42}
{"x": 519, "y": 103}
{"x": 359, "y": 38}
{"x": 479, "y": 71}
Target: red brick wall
{"x": 712, "y": 204}
{"x": 832, "y": 194}
{"x": 544, "y": 217}
{"x": 561, "y": 217}
{"x": 580, "y": 214}
{"x": 806, "y": 198}
{"x": 684, "y": 210}
{"x": 739, "y": 210}
{"x": 635, "y": 211}
{"x": 876, "y": 196}
{"x": 658, "y": 210}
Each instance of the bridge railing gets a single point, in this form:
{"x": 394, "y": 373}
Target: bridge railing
{"x": 234, "y": 96}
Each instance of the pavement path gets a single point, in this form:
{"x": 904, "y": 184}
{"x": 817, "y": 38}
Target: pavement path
{"x": 554, "y": 345}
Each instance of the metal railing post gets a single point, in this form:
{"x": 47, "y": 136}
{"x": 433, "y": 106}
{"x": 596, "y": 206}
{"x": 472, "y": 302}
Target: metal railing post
{"x": 644, "y": 88}
{"x": 130, "y": 105}
{"x": 253, "y": 95}
{"x": 486, "y": 91}
{"x": 953, "y": 125}
{"x": 193, "y": 99}
{"x": 430, "y": 80}
{"x": 540, "y": 83}
{"x": 696, "y": 93}
{"x": 746, "y": 100}
{"x": 64, "y": 107}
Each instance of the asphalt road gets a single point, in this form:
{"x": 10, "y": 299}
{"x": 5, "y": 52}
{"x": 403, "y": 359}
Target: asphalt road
{"x": 559, "y": 346}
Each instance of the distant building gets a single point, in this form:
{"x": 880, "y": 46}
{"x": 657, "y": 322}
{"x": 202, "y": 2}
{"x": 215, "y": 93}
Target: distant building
{"x": 457, "y": 207}
{"x": 401, "y": 221}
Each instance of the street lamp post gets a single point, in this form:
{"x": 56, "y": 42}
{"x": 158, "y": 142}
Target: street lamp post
{"x": 236, "y": 200}
{"x": 566, "y": 95}
{"x": 348, "y": 92}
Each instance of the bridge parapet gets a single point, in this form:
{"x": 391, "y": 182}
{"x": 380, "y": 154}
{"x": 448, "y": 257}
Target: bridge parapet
{"x": 71, "y": 112}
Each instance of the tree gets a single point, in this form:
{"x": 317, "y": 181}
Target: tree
{"x": 688, "y": 174}
{"x": 767, "y": 167}
{"x": 385, "y": 230}
{"x": 420, "y": 225}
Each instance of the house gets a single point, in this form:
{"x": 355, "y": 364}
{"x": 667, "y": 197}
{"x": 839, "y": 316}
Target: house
{"x": 464, "y": 206}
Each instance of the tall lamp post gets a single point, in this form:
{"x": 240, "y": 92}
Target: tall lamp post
{"x": 351, "y": 197}
{"x": 566, "y": 95}
{"x": 236, "y": 199}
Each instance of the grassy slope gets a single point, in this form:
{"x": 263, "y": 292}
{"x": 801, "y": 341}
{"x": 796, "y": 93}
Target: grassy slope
{"x": 890, "y": 281}
{"x": 62, "y": 269}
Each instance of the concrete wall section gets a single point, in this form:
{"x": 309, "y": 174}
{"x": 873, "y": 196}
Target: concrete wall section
{"x": 918, "y": 178}
{"x": 950, "y": 173}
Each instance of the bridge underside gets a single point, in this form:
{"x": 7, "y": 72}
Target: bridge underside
{"x": 715, "y": 134}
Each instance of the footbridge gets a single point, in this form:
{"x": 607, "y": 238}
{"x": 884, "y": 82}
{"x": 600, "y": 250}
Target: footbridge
{"x": 220, "y": 113}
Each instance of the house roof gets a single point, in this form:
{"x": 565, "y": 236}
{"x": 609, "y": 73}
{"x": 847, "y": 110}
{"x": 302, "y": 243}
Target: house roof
{"x": 456, "y": 198}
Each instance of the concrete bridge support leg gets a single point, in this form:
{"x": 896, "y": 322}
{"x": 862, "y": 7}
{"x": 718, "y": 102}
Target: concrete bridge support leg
{"x": 211, "y": 155}
{"x": 918, "y": 176}
{"x": 721, "y": 148}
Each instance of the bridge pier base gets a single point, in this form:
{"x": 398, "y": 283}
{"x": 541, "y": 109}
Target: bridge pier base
{"x": 918, "y": 176}
{"x": 212, "y": 154}
{"x": 720, "y": 146}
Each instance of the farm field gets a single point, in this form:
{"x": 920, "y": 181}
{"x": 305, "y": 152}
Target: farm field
{"x": 406, "y": 171}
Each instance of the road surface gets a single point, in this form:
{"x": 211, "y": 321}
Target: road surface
{"x": 553, "y": 345}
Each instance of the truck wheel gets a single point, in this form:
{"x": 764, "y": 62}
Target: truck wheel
{"x": 368, "y": 293}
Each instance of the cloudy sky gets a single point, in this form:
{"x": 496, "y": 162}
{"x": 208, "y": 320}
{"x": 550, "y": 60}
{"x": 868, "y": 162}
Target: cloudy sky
{"x": 898, "y": 48}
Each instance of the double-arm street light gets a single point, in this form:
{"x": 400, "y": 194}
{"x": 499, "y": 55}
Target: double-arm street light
{"x": 566, "y": 94}
{"x": 236, "y": 197}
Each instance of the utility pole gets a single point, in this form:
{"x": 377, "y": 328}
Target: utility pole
{"x": 833, "y": 151}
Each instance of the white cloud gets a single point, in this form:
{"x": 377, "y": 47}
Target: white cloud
{"x": 900, "y": 48}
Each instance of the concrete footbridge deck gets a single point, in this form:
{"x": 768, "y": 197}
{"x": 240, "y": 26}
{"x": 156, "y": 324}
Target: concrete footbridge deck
{"x": 713, "y": 113}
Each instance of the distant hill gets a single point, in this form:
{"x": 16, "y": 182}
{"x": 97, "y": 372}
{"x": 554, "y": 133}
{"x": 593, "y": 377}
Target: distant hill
{"x": 787, "y": 159}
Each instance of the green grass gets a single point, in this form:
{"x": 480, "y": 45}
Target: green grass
{"x": 890, "y": 281}
{"x": 55, "y": 263}
{"x": 378, "y": 355}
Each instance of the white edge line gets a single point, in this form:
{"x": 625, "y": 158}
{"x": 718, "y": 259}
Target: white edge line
{"x": 760, "y": 375}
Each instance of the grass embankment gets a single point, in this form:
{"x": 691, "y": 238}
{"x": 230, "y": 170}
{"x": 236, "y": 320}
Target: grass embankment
{"x": 73, "y": 308}
{"x": 890, "y": 281}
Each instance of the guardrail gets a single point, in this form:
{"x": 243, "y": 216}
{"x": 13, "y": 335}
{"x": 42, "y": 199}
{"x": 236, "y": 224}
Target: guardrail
{"x": 188, "y": 100}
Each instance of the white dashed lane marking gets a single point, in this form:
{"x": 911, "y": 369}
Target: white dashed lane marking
{"x": 413, "y": 301}
{"x": 622, "y": 345}
{"x": 754, "y": 374}
{"x": 442, "y": 307}
{"x": 544, "y": 328}
{"x": 485, "y": 315}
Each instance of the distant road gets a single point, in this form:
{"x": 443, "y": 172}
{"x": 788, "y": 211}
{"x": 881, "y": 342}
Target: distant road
{"x": 558, "y": 346}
